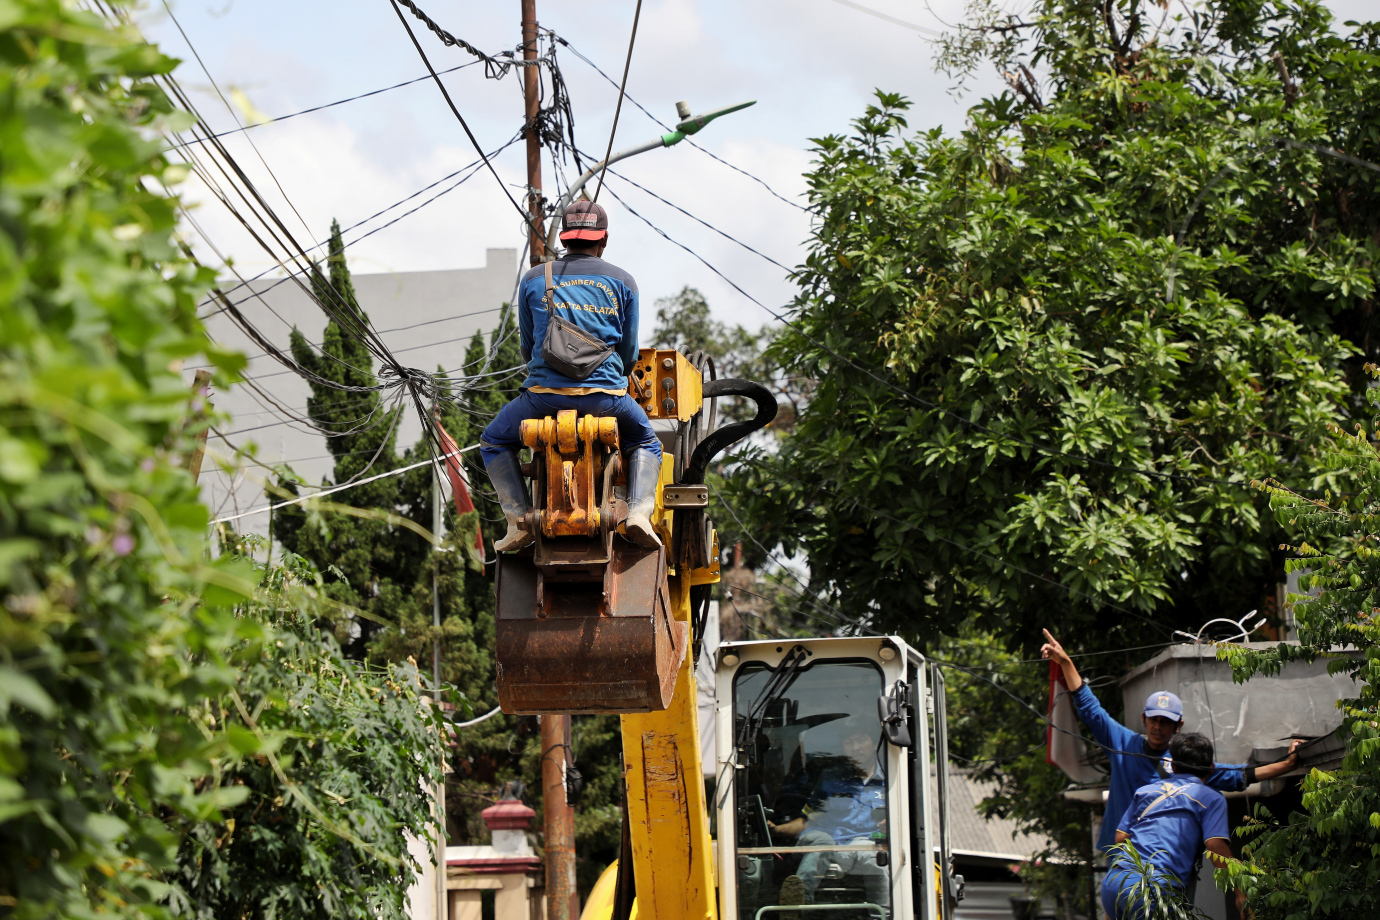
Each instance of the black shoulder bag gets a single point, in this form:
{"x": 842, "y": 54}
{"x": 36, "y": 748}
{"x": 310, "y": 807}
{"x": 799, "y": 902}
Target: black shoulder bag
{"x": 567, "y": 348}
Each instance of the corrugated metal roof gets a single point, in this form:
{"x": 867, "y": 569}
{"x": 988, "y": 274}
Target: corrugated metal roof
{"x": 972, "y": 833}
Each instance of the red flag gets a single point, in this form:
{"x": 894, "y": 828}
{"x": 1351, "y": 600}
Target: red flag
{"x": 463, "y": 504}
{"x": 1064, "y": 747}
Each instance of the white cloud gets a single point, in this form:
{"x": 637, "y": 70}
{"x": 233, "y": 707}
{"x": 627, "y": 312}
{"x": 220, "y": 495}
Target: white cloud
{"x": 811, "y": 64}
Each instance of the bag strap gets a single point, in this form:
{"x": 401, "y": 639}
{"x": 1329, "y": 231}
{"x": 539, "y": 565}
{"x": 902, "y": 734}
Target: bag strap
{"x": 550, "y": 289}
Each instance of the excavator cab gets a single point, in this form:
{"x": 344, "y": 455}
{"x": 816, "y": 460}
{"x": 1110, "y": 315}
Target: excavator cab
{"x": 830, "y": 799}
{"x": 585, "y": 619}
{"x": 828, "y": 779}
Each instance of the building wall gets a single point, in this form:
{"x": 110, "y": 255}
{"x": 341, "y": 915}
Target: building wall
{"x": 425, "y": 318}
{"x": 1259, "y": 715}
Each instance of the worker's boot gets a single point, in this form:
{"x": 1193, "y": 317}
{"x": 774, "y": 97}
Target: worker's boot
{"x": 792, "y": 893}
{"x": 644, "y": 472}
{"x": 506, "y": 476}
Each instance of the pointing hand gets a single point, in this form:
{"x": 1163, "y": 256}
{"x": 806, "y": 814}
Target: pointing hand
{"x": 1052, "y": 649}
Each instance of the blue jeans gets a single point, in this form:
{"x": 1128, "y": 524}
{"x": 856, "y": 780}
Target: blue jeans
{"x": 505, "y": 431}
{"x": 1116, "y": 896}
{"x": 1117, "y": 905}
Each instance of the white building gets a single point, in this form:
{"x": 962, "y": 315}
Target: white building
{"x": 426, "y": 319}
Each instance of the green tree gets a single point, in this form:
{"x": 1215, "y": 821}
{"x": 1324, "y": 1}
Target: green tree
{"x": 327, "y": 771}
{"x": 1325, "y": 861}
{"x": 684, "y": 323}
{"x": 1018, "y": 414}
{"x": 1053, "y": 349}
{"x": 126, "y": 647}
{"x": 379, "y": 561}
{"x": 113, "y": 623}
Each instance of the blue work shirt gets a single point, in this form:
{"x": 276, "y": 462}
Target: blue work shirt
{"x": 843, "y": 806}
{"x": 598, "y": 297}
{"x": 1168, "y": 822}
{"x": 1133, "y": 764}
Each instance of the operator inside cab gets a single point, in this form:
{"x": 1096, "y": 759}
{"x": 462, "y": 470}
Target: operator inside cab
{"x": 812, "y": 798}
{"x": 837, "y": 801}
{"x": 578, "y": 319}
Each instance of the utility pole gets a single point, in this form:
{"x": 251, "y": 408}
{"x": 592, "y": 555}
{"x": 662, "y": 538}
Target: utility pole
{"x": 558, "y": 818}
{"x": 531, "y": 75}
{"x": 442, "y": 905}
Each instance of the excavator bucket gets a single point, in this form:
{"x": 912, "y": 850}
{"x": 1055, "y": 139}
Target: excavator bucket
{"x": 584, "y": 622}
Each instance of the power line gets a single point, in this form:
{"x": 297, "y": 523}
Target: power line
{"x": 471, "y": 168}
{"x": 340, "y": 488}
{"x": 495, "y": 66}
{"x": 449, "y": 102}
{"x": 229, "y": 108}
{"x": 923, "y": 30}
{"x": 328, "y": 105}
{"x": 705, "y": 223}
{"x": 430, "y": 322}
{"x": 622, "y": 89}
{"x": 667, "y": 127}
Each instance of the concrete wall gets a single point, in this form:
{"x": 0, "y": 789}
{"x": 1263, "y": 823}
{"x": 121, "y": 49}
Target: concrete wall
{"x": 425, "y": 318}
{"x": 421, "y": 897}
{"x": 515, "y": 897}
{"x": 1241, "y": 719}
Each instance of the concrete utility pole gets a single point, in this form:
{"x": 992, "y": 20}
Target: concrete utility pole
{"x": 558, "y": 818}
{"x": 531, "y": 75}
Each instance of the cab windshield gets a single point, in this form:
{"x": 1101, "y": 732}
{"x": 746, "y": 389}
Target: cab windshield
{"x": 810, "y": 793}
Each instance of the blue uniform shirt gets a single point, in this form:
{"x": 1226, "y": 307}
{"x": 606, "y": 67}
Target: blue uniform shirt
{"x": 1169, "y": 821}
{"x": 1133, "y": 764}
{"x": 844, "y": 807}
{"x": 595, "y": 295}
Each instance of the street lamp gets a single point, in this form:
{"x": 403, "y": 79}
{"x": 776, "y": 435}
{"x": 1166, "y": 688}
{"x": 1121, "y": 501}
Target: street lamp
{"x": 688, "y": 125}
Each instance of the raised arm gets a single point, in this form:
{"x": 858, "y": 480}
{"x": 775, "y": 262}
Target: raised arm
{"x": 1109, "y": 733}
{"x": 1054, "y": 651}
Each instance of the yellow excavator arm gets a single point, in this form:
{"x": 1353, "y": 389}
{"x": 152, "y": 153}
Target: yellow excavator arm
{"x": 824, "y": 754}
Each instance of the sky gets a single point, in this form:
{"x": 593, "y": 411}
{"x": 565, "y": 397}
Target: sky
{"x": 811, "y": 65}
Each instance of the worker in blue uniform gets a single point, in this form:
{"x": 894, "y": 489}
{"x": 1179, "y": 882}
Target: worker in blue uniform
{"x": 577, "y": 317}
{"x": 1137, "y": 759}
{"x": 1169, "y": 824}
{"x": 838, "y": 801}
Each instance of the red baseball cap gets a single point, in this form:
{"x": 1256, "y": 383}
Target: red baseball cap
{"x": 584, "y": 220}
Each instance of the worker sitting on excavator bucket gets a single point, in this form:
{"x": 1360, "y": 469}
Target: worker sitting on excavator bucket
{"x": 578, "y": 320}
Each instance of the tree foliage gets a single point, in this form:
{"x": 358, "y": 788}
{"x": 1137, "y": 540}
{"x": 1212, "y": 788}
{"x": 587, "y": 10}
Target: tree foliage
{"x": 684, "y": 322}
{"x": 113, "y": 623}
{"x": 1325, "y": 861}
{"x": 124, "y": 756}
{"x": 1052, "y": 350}
{"x": 333, "y": 765}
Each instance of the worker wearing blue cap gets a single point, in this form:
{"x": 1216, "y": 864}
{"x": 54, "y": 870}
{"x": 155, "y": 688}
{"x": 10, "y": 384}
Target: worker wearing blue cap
{"x": 1137, "y": 759}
